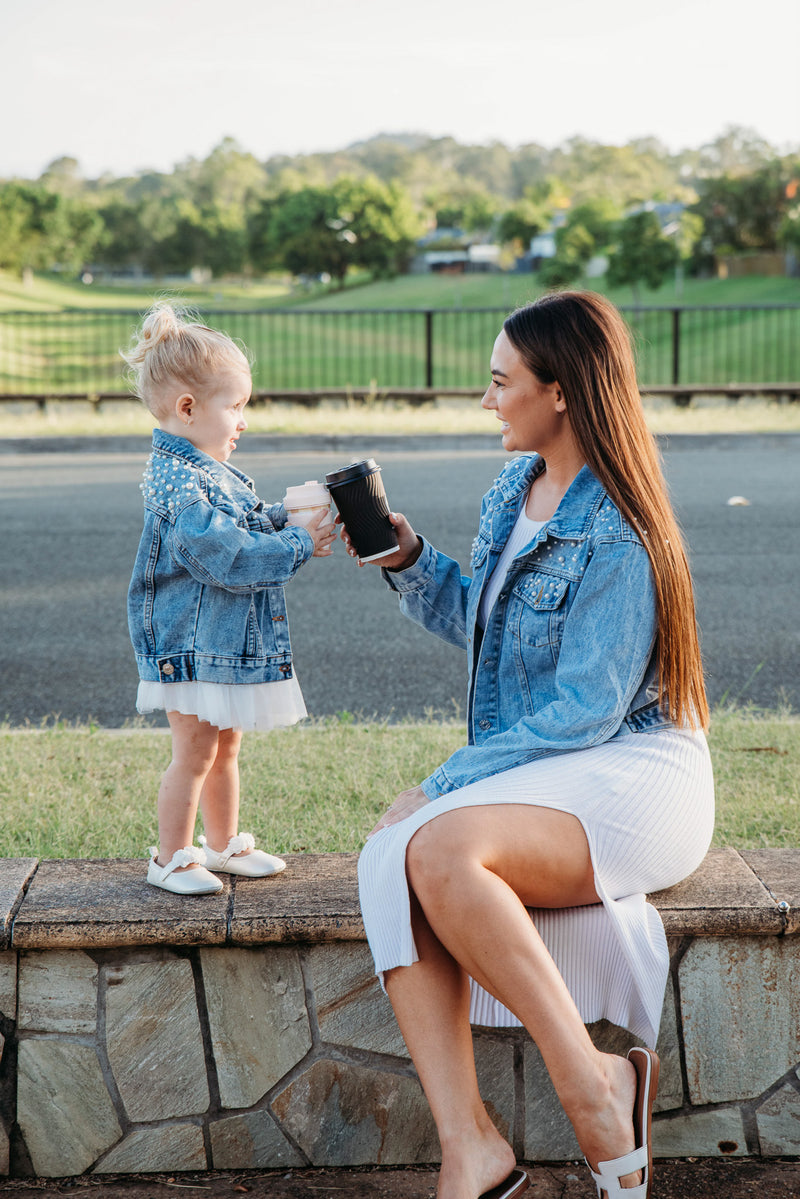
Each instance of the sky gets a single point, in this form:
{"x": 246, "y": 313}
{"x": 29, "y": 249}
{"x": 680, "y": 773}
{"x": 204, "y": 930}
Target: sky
{"x": 130, "y": 85}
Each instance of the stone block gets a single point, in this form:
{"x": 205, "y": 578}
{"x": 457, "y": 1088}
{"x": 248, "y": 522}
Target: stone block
{"x": 314, "y": 899}
{"x": 15, "y": 875}
{"x": 147, "y": 1150}
{"x": 352, "y": 1009}
{"x": 779, "y": 871}
{"x": 108, "y": 904}
{"x": 778, "y": 1121}
{"x": 57, "y": 991}
{"x": 341, "y": 1114}
{"x": 257, "y": 1014}
{"x": 494, "y": 1064}
{"x": 63, "y": 1107}
{"x": 8, "y": 983}
{"x": 251, "y": 1141}
{"x": 4, "y": 1151}
{"x": 726, "y": 983}
{"x": 700, "y": 1134}
{"x": 670, "y": 1081}
{"x": 153, "y": 1039}
{"x": 723, "y": 896}
{"x": 548, "y": 1133}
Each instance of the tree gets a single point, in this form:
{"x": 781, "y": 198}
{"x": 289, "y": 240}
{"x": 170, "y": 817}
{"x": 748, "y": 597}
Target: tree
{"x": 744, "y": 212}
{"x": 316, "y": 230}
{"x": 587, "y": 230}
{"x": 642, "y": 253}
{"x": 43, "y": 229}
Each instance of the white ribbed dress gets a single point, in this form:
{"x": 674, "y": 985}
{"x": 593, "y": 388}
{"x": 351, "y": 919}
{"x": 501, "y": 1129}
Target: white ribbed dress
{"x": 646, "y": 803}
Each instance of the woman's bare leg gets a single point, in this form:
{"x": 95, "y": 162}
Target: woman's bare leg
{"x": 431, "y": 1003}
{"x": 474, "y": 872}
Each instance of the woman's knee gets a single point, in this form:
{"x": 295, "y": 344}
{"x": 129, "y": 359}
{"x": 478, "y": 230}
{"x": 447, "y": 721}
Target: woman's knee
{"x": 432, "y": 860}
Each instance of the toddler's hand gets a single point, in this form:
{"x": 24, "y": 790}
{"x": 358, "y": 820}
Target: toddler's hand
{"x": 323, "y": 535}
{"x": 408, "y": 550}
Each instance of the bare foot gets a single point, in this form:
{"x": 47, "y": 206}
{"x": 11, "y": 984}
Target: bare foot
{"x": 474, "y": 1163}
{"x": 605, "y": 1129}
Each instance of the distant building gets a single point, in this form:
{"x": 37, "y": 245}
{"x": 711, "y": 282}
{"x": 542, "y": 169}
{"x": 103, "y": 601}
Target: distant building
{"x": 453, "y": 251}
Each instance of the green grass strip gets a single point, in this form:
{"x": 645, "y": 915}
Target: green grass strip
{"x": 75, "y": 792}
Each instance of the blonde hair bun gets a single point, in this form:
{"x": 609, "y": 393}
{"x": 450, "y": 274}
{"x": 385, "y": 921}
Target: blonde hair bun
{"x": 171, "y": 347}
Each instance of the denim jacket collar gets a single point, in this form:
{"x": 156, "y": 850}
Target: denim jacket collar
{"x": 573, "y": 518}
{"x": 223, "y": 473}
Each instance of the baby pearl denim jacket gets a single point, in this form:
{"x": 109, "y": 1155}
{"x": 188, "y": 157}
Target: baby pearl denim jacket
{"x": 567, "y": 659}
{"x": 206, "y": 598}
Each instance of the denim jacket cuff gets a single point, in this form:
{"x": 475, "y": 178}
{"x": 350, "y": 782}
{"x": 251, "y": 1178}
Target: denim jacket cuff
{"x": 298, "y": 532}
{"x": 416, "y": 576}
{"x": 435, "y": 785}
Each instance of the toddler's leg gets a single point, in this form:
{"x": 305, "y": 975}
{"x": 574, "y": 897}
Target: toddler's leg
{"x": 227, "y": 850}
{"x": 219, "y": 798}
{"x": 194, "y": 751}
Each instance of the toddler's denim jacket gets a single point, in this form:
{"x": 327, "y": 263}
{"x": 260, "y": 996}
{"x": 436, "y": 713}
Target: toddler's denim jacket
{"x": 567, "y": 658}
{"x": 206, "y": 598}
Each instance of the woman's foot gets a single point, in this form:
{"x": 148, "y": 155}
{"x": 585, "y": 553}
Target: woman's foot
{"x": 473, "y": 1165}
{"x": 604, "y": 1125}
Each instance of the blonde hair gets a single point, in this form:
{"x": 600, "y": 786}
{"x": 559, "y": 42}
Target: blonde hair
{"x": 171, "y": 348}
{"x": 580, "y": 340}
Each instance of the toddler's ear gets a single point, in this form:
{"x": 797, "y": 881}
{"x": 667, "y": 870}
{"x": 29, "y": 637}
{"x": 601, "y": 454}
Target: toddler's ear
{"x": 184, "y": 407}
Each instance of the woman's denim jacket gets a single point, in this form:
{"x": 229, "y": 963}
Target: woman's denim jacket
{"x": 206, "y": 599}
{"x": 567, "y": 659}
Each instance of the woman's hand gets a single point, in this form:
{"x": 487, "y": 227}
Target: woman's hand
{"x": 406, "y": 803}
{"x": 408, "y": 550}
{"x": 322, "y": 535}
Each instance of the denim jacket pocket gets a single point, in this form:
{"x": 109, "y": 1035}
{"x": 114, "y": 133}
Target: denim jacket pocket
{"x": 538, "y": 600}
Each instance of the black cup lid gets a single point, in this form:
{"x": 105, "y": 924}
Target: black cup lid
{"x": 356, "y": 470}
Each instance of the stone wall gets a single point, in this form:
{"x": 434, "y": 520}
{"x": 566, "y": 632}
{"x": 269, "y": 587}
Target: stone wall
{"x": 141, "y": 1031}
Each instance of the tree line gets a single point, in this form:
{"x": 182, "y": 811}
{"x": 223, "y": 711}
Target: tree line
{"x": 367, "y": 206}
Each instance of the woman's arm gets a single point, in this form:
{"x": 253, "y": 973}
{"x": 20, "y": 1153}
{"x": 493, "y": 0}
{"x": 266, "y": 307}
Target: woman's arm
{"x": 432, "y": 590}
{"x": 596, "y": 676}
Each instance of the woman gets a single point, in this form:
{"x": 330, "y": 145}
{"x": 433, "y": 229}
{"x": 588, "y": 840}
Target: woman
{"x": 509, "y": 887}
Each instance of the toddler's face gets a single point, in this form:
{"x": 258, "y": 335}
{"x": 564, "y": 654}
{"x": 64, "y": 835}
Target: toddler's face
{"x": 218, "y": 418}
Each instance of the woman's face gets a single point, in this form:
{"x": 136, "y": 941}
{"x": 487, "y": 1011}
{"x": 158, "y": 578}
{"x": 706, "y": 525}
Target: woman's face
{"x": 532, "y": 414}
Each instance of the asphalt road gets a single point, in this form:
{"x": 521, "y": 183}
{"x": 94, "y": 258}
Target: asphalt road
{"x": 70, "y": 524}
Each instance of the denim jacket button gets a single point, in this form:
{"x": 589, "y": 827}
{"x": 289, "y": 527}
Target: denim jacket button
{"x": 168, "y": 668}
{"x": 485, "y": 724}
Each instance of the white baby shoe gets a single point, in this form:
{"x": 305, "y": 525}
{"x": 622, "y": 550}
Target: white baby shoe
{"x": 188, "y": 882}
{"x": 255, "y": 864}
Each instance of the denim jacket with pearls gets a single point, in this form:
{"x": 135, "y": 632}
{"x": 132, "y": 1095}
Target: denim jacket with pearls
{"x": 567, "y": 659}
{"x": 206, "y": 598}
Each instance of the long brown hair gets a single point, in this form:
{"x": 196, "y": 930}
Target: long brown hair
{"x": 580, "y": 340}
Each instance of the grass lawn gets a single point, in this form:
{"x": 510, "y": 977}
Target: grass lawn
{"x": 66, "y": 337}
{"x": 50, "y": 293}
{"x": 80, "y": 792}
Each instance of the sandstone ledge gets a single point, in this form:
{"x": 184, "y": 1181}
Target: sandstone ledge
{"x": 106, "y": 903}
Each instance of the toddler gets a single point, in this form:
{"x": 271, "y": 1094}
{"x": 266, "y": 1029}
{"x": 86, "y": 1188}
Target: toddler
{"x": 206, "y": 607}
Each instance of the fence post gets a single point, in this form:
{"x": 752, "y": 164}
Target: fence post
{"x": 676, "y": 345}
{"x": 429, "y": 348}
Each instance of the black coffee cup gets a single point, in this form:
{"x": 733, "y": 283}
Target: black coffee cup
{"x": 357, "y": 491}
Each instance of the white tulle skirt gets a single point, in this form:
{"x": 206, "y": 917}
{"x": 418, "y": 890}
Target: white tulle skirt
{"x": 246, "y": 706}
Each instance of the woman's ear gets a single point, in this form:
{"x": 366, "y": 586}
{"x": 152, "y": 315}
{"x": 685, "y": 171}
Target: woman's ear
{"x": 184, "y": 407}
{"x": 558, "y": 398}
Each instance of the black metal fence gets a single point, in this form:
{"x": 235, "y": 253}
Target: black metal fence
{"x": 76, "y": 351}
